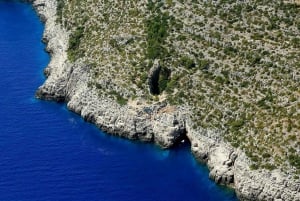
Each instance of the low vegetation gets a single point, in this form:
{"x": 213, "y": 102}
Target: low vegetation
{"x": 235, "y": 64}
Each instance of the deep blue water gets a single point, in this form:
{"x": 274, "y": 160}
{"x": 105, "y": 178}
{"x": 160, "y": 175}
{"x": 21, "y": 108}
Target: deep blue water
{"x": 50, "y": 154}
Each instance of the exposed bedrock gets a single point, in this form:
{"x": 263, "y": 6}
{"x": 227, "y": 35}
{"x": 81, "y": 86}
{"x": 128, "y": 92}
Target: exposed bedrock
{"x": 231, "y": 167}
{"x": 160, "y": 123}
{"x": 149, "y": 123}
{"x": 219, "y": 157}
{"x": 261, "y": 185}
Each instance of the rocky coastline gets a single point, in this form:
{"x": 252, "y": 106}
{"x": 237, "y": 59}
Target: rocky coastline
{"x": 160, "y": 123}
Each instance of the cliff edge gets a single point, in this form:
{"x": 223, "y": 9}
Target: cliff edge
{"x": 157, "y": 121}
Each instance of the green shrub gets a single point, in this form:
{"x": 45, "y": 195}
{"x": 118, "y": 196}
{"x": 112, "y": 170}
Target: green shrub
{"x": 59, "y": 10}
{"x": 74, "y": 41}
{"x": 203, "y": 64}
{"x": 121, "y": 100}
{"x": 157, "y": 31}
{"x": 235, "y": 125}
{"x": 294, "y": 160}
{"x": 187, "y": 62}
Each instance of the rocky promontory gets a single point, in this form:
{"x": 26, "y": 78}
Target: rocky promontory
{"x": 158, "y": 121}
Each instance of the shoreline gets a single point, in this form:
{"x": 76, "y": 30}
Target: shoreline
{"x": 164, "y": 125}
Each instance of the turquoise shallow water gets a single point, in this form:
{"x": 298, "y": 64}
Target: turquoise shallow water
{"x": 48, "y": 153}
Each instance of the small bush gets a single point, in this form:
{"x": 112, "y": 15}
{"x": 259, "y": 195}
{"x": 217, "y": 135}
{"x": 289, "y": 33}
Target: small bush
{"x": 74, "y": 41}
{"x": 187, "y": 62}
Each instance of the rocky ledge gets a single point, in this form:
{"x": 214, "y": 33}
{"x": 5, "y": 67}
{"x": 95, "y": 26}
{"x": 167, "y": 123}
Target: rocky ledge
{"x": 160, "y": 123}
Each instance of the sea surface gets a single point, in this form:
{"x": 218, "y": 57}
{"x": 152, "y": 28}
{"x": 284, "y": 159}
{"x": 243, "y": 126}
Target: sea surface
{"x": 50, "y": 154}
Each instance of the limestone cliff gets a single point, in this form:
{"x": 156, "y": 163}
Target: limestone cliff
{"x": 158, "y": 121}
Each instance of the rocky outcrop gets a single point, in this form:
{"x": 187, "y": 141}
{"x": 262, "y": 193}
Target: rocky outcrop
{"x": 219, "y": 157}
{"x": 231, "y": 167}
{"x": 159, "y": 123}
{"x": 69, "y": 82}
{"x": 262, "y": 184}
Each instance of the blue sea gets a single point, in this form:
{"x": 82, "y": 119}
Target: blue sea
{"x": 50, "y": 154}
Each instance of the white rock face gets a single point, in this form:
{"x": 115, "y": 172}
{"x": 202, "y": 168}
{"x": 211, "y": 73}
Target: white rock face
{"x": 160, "y": 123}
{"x": 262, "y": 184}
{"x": 219, "y": 157}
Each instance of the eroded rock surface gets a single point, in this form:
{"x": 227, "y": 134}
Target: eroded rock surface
{"x": 160, "y": 123}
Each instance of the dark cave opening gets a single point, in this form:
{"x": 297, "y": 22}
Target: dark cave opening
{"x": 154, "y": 81}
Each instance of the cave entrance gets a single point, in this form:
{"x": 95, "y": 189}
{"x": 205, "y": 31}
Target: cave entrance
{"x": 154, "y": 82}
{"x": 158, "y": 80}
